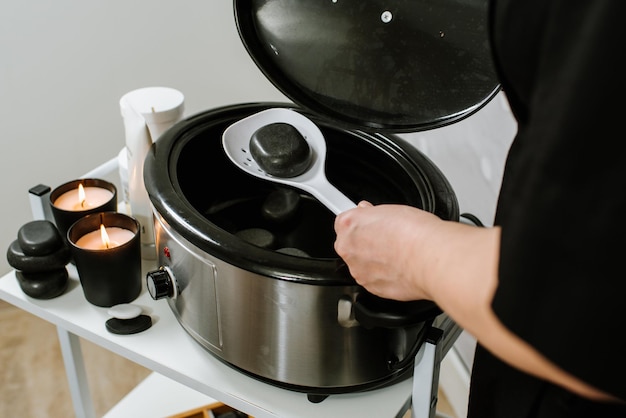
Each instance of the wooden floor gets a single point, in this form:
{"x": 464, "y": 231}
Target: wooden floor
{"x": 32, "y": 376}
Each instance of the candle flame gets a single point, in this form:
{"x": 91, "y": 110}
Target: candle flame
{"x": 81, "y": 195}
{"x": 105, "y": 237}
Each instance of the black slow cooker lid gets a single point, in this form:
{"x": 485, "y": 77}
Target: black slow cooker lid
{"x": 393, "y": 65}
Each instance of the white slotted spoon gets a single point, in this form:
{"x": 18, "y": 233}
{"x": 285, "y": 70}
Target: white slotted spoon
{"x": 236, "y": 143}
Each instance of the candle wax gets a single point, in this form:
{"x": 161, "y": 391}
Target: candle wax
{"x": 93, "y": 240}
{"x": 94, "y": 197}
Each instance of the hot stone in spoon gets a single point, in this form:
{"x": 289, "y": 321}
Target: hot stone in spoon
{"x": 249, "y": 143}
{"x": 280, "y": 150}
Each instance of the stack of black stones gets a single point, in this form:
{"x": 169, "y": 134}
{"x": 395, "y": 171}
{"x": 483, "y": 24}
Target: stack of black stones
{"x": 40, "y": 256}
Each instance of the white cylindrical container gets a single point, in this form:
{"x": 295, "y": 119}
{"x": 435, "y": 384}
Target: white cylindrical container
{"x": 147, "y": 113}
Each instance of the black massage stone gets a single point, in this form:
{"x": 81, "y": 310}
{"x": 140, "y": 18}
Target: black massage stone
{"x": 258, "y": 236}
{"x": 281, "y": 205}
{"x": 45, "y": 285}
{"x": 129, "y": 326}
{"x": 37, "y": 264}
{"x": 39, "y": 238}
{"x": 39, "y": 256}
{"x": 280, "y": 150}
{"x": 292, "y": 251}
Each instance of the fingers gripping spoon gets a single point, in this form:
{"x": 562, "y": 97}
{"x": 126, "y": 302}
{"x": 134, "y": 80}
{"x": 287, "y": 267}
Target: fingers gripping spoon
{"x": 285, "y": 147}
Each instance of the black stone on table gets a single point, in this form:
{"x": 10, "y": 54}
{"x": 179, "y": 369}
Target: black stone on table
{"x": 39, "y": 256}
{"x": 44, "y": 285}
{"x": 129, "y": 326}
{"x": 39, "y": 237}
{"x": 37, "y": 264}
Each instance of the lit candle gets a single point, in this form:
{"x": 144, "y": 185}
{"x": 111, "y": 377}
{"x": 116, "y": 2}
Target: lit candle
{"x": 83, "y": 198}
{"x": 77, "y": 198}
{"x": 106, "y": 250}
{"x": 105, "y": 238}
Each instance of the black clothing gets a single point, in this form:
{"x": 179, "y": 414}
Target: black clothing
{"x": 501, "y": 391}
{"x": 563, "y": 198}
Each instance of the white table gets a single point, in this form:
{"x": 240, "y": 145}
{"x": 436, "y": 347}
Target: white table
{"x": 168, "y": 350}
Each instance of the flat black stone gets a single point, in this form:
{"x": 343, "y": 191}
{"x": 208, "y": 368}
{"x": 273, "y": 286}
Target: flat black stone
{"x": 258, "y": 236}
{"x": 281, "y": 205}
{"x": 46, "y": 285}
{"x": 280, "y": 150}
{"x": 129, "y": 326}
{"x": 39, "y": 238}
{"x": 37, "y": 264}
{"x": 293, "y": 251}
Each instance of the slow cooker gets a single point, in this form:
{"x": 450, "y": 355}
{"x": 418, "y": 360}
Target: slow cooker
{"x": 247, "y": 265}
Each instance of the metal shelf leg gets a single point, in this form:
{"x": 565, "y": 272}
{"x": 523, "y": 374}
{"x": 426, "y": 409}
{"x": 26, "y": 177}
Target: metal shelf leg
{"x": 426, "y": 376}
{"x": 76, "y": 376}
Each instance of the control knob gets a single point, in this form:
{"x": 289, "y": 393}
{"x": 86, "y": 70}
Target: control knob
{"x": 160, "y": 283}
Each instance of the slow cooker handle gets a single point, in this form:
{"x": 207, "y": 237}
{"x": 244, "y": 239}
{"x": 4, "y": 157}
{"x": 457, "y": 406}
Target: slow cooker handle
{"x": 373, "y": 312}
{"x": 396, "y": 364}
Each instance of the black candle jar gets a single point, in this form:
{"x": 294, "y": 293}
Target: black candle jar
{"x": 65, "y": 217}
{"x": 109, "y": 276}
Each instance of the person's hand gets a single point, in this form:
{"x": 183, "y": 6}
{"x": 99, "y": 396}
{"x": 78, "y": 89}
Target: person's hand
{"x": 404, "y": 253}
{"x": 386, "y": 248}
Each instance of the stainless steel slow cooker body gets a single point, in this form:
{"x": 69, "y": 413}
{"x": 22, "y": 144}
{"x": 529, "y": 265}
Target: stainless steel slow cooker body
{"x": 300, "y": 322}
{"x": 358, "y": 70}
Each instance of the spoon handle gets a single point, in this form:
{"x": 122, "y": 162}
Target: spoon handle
{"x": 330, "y": 196}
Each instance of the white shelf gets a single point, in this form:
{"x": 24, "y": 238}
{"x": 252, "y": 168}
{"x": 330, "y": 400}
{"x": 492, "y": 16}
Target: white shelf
{"x": 168, "y": 350}
{"x": 158, "y": 396}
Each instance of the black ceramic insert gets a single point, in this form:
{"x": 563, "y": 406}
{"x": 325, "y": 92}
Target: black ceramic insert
{"x": 180, "y": 176}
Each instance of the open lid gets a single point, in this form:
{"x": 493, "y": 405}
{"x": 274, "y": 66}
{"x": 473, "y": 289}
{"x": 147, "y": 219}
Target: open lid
{"x": 393, "y": 65}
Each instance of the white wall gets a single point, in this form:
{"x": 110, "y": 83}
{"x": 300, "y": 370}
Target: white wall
{"x": 65, "y": 64}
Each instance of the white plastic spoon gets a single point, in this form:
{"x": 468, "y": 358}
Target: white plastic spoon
{"x": 236, "y": 143}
